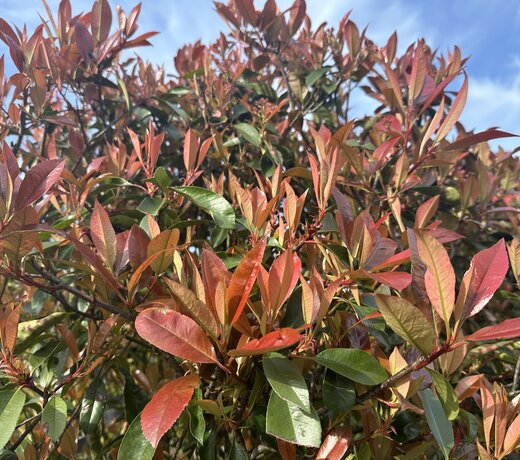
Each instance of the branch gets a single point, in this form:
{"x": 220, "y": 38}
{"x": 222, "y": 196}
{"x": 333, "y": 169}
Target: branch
{"x": 419, "y": 363}
{"x": 98, "y": 303}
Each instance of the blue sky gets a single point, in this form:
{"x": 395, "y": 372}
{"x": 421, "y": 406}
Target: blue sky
{"x": 486, "y": 30}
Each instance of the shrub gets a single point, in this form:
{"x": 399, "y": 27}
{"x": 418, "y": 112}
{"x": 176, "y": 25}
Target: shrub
{"x": 223, "y": 263}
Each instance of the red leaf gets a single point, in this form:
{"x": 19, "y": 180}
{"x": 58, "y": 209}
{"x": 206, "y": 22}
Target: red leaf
{"x": 191, "y": 147}
{"x": 484, "y": 276}
{"x": 164, "y": 409}
{"x": 283, "y": 277}
{"x": 242, "y": 281}
{"x": 286, "y": 450}
{"x": 103, "y": 235}
{"x": 84, "y": 41}
{"x": 508, "y": 329}
{"x": 246, "y": 8}
{"x": 101, "y": 20}
{"x": 335, "y": 445}
{"x": 396, "y": 280}
{"x": 176, "y": 334}
{"x": 38, "y": 181}
{"x": 455, "y": 111}
{"x": 426, "y": 211}
{"x": 276, "y": 340}
{"x": 298, "y": 11}
{"x": 439, "y": 278}
{"x": 473, "y": 139}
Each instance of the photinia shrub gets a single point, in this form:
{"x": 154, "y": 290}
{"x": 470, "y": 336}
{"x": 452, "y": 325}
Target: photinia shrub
{"x": 223, "y": 263}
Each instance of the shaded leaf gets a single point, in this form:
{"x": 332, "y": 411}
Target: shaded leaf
{"x": 338, "y": 392}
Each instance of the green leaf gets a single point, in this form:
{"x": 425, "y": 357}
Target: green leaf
{"x": 287, "y": 421}
{"x": 7, "y": 455}
{"x": 11, "y": 405}
{"x": 408, "y": 321}
{"x": 339, "y": 393}
{"x": 237, "y": 452}
{"x": 54, "y": 417}
{"x": 438, "y": 422}
{"x": 92, "y": 407}
{"x": 445, "y": 392}
{"x": 249, "y": 133}
{"x": 151, "y": 205}
{"x": 122, "y": 85}
{"x": 354, "y": 364}
{"x": 210, "y": 202}
{"x": 196, "y": 413}
{"x": 315, "y": 75}
{"x": 286, "y": 380}
{"x": 134, "y": 444}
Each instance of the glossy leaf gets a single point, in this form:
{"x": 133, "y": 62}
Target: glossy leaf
{"x": 439, "y": 278}
{"x": 176, "y": 334}
{"x": 446, "y": 394}
{"x": 484, "y": 276}
{"x": 11, "y": 405}
{"x": 165, "y": 243}
{"x": 242, "y": 281}
{"x": 354, "y": 364}
{"x": 166, "y": 405}
{"x": 103, "y": 235}
{"x": 215, "y": 205}
{"x": 335, "y": 445}
{"x": 407, "y": 321}
{"x": 54, "y": 417}
{"x": 508, "y": 329}
{"x": 438, "y": 422}
{"x": 286, "y": 380}
{"x": 274, "y": 341}
{"x": 287, "y": 421}
{"x": 134, "y": 444}
{"x": 38, "y": 181}
{"x": 194, "y": 307}
{"x": 249, "y": 133}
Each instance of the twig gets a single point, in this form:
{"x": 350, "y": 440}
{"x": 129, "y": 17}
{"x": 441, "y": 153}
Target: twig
{"x": 99, "y": 303}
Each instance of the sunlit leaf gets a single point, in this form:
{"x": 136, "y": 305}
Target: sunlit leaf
{"x": 407, "y": 321}
{"x": 286, "y": 380}
{"x": 287, "y": 421}
{"x": 354, "y": 364}
{"x": 215, "y": 205}
{"x": 165, "y": 407}
{"x": 176, "y": 334}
